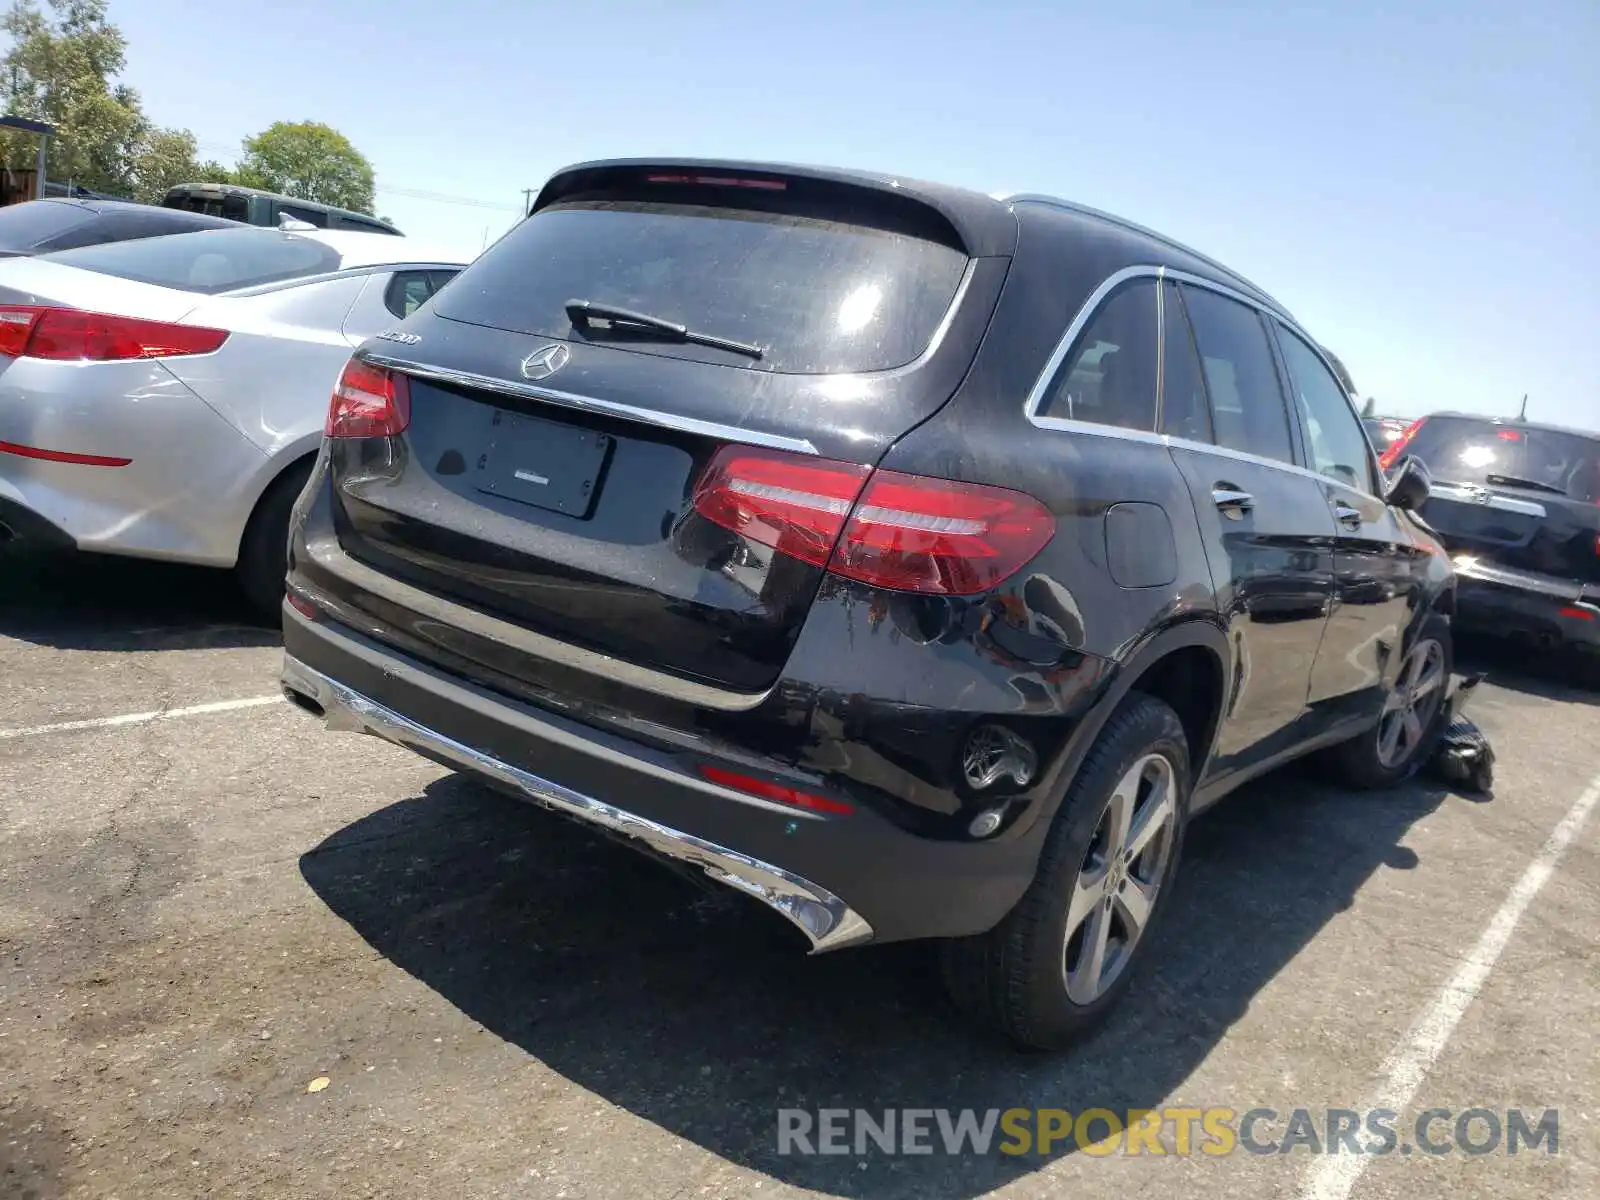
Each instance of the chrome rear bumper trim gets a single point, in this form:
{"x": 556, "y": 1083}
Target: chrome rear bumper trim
{"x": 826, "y": 920}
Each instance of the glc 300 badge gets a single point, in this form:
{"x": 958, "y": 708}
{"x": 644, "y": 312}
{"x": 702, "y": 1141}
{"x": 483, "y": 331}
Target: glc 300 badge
{"x": 405, "y": 339}
{"x": 545, "y": 361}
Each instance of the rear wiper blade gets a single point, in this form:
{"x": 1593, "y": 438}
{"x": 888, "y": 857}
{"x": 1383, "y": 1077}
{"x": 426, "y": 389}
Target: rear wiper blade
{"x": 1518, "y": 482}
{"x": 585, "y": 313}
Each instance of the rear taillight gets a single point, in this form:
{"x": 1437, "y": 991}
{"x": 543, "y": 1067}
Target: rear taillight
{"x": 71, "y": 335}
{"x": 1392, "y": 455}
{"x": 904, "y": 532}
{"x": 368, "y": 401}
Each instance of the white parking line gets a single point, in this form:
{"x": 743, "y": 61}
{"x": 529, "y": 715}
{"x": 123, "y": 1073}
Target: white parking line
{"x": 143, "y": 718}
{"x": 1333, "y": 1177}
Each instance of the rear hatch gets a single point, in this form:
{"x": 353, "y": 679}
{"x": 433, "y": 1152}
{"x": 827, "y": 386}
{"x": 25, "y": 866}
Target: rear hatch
{"x": 548, "y": 473}
{"x": 1521, "y": 496}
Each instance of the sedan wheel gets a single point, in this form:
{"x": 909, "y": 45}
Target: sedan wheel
{"x": 1121, "y": 875}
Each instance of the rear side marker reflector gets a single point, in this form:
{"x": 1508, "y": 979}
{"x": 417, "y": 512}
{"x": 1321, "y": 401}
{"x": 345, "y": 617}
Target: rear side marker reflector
{"x": 887, "y": 529}
{"x": 71, "y": 335}
{"x": 767, "y": 790}
{"x": 63, "y": 456}
{"x": 368, "y": 401}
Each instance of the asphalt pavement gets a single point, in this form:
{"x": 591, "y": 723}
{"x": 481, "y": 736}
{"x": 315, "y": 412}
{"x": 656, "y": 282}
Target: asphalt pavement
{"x": 241, "y": 956}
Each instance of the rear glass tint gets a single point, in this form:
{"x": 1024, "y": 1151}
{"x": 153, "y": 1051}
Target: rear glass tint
{"x": 209, "y": 261}
{"x": 24, "y": 226}
{"x": 818, "y": 296}
{"x": 1483, "y": 452}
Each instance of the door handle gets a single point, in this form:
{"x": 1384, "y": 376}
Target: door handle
{"x": 1349, "y": 517}
{"x": 1231, "y": 501}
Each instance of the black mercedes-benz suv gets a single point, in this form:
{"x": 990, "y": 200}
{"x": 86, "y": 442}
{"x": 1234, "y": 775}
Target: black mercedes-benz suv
{"x": 1518, "y": 505}
{"x": 914, "y": 561}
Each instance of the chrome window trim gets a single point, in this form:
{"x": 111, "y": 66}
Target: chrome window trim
{"x": 1087, "y": 312}
{"x": 594, "y": 404}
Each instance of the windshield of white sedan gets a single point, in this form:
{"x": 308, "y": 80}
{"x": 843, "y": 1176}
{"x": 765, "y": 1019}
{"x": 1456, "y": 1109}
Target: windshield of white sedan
{"x": 211, "y": 261}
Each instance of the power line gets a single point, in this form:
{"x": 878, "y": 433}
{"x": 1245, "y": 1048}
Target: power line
{"x": 219, "y": 150}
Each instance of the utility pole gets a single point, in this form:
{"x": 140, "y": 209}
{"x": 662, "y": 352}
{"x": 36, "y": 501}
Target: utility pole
{"x": 1522, "y": 413}
{"x": 527, "y": 199}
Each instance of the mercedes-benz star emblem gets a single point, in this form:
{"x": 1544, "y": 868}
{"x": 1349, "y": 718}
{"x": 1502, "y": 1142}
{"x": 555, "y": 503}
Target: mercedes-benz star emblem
{"x": 545, "y": 361}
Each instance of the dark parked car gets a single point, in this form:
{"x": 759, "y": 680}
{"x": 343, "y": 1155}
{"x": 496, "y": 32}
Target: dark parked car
{"x": 1518, "y": 504}
{"x": 1385, "y": 431}
{"x": 43, "y": 226}
{"x": 914, "y": 561}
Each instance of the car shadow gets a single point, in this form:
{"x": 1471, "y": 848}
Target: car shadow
{"x": 695, "y": 1009}
{"x": 74, "y": 601}
{"x": 1566, "y": 676}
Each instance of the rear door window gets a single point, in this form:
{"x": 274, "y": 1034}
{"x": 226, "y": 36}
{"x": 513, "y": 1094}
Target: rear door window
{"x": 1247, "y": 408}
{"x": 816, "y": 294}
{"x": 1110, "y": 376}
{"x": 1184, "y": 411}
{"x": 1463, "y": 450}
{"x": 209, "y": 261}
{"x": 408, "y": 291}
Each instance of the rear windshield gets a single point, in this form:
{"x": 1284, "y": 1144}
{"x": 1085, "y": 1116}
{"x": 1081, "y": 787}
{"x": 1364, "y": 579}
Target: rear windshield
{"x": 24, "y": 226}
{"x": 818, "y": 296}
{"x": 1466, "y": 451}
{"x": 210, "y": 261}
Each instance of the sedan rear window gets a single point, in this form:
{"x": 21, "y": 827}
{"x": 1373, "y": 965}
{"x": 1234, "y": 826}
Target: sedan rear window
{"x": 210, "y": 261}
{"x": 815, "y": 295}
{"x": 1458, "y": 450}
{"x": 24, "y": 226}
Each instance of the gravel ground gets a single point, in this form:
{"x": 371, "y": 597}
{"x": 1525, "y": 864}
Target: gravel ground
{"x": 240, "y": 956}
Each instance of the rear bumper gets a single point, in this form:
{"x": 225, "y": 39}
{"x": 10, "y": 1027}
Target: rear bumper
{"x": 842, "y": 880}
{"x": 1525, "y": 606}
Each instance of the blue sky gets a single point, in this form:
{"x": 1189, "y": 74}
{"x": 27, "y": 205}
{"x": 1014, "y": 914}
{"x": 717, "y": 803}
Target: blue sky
{"x": 1421, "y": 188}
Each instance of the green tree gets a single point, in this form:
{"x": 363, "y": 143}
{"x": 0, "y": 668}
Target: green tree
{"x": 1370, "y": 409}
{"x": 61, "y": 68}
{"x": 309, "y": 160}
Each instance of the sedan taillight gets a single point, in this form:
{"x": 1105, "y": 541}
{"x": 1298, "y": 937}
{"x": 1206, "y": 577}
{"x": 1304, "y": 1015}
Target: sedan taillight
{"x": 72, "y": 335}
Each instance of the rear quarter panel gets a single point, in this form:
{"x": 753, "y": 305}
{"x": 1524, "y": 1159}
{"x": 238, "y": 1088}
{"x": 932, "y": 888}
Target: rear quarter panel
{"x": 273, "y": 377}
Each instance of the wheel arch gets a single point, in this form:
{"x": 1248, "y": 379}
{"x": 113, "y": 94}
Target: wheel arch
{"x": 1188, "y": 661}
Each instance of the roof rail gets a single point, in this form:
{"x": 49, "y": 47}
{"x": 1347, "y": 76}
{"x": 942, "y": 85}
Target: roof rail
{"x": 1134, "y": 227}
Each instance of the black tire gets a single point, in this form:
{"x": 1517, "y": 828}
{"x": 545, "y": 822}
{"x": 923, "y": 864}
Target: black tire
{"x": 1015, "y": 977}
{"x": 1359, "y": 762}
{"x": 264, "y": 549}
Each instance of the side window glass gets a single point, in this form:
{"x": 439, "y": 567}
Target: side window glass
{"x": 1184, "y": 410}
{"x": 1247, "y": 409}
{"x": 1335, "y": 440}
{"x": 311, "y": 216}
{"x": 407, "y": 291}
{"x": 1110, "y": 376}
{"x": 440, "y": 278}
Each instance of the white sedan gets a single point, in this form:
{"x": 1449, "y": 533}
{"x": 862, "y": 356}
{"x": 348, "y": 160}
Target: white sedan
{"x": 165, "y": 398}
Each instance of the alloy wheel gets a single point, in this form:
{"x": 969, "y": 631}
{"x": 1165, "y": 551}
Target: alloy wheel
{"x": 1410, "y": 707}
{"x": 1115, "y": 892}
